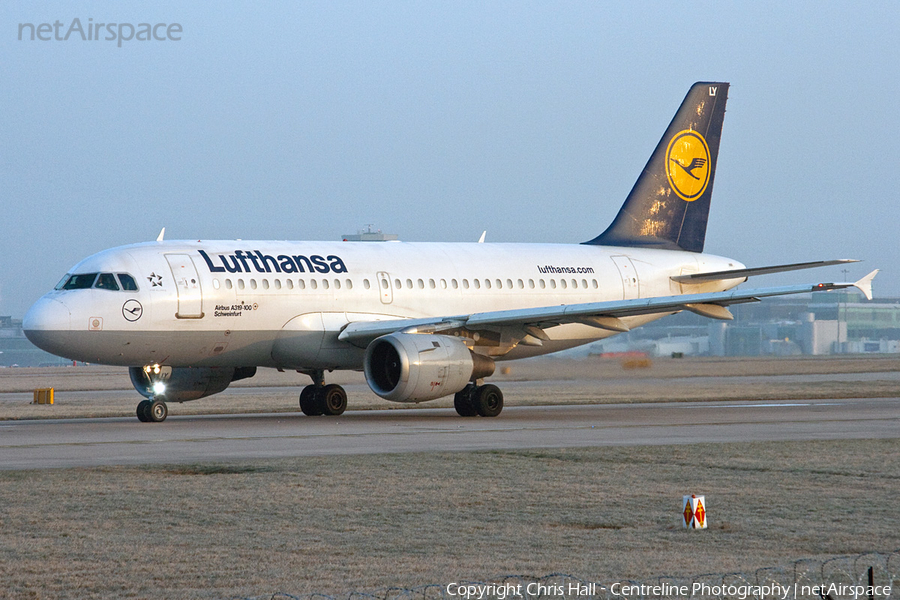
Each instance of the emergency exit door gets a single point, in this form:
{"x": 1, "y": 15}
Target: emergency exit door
{"x": 631, "y": 285}
{"x": 384, "y": 285}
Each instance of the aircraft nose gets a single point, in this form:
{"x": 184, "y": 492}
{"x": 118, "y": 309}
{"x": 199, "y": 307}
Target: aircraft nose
{"x": 46, "y": 324}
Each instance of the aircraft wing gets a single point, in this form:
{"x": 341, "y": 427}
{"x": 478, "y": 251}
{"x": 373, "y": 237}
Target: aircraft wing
{"x": 530, "y": 322}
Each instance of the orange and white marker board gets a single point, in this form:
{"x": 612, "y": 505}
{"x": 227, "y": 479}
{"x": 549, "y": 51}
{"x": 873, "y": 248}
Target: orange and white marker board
{"x": 694, "y": 512}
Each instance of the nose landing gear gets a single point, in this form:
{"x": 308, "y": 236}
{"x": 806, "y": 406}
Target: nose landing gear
{"x": 152, "y": 411}
{"x": 151, "y": 381}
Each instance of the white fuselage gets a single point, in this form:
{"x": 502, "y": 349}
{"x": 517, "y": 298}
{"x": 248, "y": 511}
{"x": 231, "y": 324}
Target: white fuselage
{"x": 283, "y": 304}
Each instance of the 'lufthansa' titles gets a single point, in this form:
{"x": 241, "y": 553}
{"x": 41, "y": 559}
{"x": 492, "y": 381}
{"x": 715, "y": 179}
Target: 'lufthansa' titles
{"x": 248, "y": 261}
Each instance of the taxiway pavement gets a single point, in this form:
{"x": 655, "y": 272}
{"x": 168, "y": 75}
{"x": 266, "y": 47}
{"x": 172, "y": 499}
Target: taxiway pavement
{"x": 195, "y": 439}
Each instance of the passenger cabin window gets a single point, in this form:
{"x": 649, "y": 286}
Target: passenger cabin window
{"x": 80, "y": 281}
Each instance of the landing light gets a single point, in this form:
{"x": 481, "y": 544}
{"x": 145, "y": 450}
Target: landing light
{"x": 159, "y": 388}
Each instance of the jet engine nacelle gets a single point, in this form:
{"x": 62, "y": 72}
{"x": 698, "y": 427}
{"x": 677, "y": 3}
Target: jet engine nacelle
{"x": 180, "y": 384}
{"x": 412, "y": 367}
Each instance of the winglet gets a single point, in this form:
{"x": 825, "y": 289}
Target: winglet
{"x": 865, "y": 284}
{"x": 481, "y": 239}
{"x": 161, "y": 235}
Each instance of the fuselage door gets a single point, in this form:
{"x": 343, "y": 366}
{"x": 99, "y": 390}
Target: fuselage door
{"x": 187, "y": 282}
{"x": 384, "y": 287}
{"x": 631, "y": 286}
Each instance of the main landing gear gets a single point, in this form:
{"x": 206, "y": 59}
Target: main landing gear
{"x": 320, "y": 399}
{"x": 152, "y": 411}
{"x": 478, "y": 400}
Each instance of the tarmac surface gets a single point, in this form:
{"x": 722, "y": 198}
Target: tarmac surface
{"x": 70, "y": 443}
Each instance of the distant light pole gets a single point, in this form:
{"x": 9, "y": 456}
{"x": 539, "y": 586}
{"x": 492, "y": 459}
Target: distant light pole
{"x": 845, "y": 272}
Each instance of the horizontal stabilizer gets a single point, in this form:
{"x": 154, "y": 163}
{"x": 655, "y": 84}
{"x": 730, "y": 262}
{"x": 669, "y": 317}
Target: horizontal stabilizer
{"x": 743, "y": 273}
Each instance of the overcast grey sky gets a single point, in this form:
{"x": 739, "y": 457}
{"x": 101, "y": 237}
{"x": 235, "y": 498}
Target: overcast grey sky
{"x": 308, "y": 120}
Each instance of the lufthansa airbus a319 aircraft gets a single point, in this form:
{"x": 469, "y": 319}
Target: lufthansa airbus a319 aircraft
{"x": 423, "y": 320}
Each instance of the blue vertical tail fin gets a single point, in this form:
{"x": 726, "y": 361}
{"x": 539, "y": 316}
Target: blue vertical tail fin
{"x": 668, "y": 206}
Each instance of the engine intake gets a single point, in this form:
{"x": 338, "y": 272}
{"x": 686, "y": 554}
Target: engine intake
{"x": 412, "y": 367}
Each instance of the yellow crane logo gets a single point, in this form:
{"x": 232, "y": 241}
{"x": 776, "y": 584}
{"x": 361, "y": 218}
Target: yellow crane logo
{"x": 687, "y": 164}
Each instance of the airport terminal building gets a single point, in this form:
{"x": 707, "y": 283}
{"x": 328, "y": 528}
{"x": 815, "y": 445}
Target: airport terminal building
{"x": 819, "y": 324}
{"x": 17, "y": 351}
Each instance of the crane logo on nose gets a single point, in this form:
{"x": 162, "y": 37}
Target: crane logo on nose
{"x": 132, "y": 310}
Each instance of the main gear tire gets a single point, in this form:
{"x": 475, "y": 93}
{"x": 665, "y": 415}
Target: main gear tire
{"x": 333, "y": 400}
{"x": 310, "y": 402}
{"x": 488, "y": 400}
{"x": 463, "y": 402}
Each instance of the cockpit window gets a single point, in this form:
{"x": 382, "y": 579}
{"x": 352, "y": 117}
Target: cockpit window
{"x": 128, "y": 282}
{"x": 106, "y": 281}
{"x": 100, "y": 281}
{"x": 79, "y": 281}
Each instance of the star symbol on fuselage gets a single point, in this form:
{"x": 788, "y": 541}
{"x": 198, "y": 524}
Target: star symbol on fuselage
{"x": 155, "y": 280}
